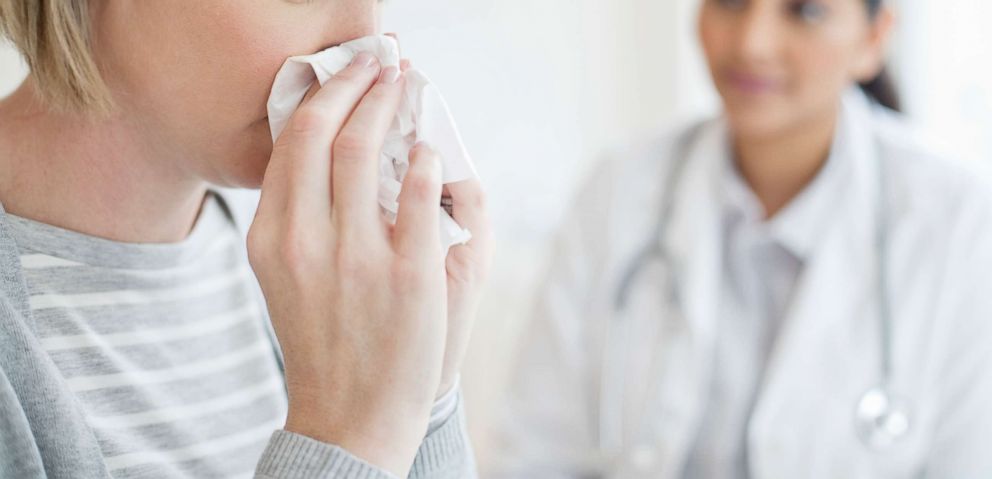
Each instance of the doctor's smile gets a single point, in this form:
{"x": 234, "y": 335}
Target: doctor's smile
{"x": 255, "y": 239}
{"x": 753, "y": 84}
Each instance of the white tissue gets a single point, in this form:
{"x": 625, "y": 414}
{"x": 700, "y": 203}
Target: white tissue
{"x": 423, "y": 116}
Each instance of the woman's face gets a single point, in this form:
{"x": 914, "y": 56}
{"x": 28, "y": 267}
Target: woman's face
{"x": 194, "y": 76}
{"x": 779, "y": 64}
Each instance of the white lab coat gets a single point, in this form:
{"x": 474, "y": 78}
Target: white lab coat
{"x": 826, "y": 354}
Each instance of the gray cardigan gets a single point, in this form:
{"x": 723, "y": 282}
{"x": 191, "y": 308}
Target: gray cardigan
{"x": 44, "y": 434}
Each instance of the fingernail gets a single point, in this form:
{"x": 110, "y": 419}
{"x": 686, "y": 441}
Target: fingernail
{"x": 390, "y": 75}
{"x": 363, "y": 59}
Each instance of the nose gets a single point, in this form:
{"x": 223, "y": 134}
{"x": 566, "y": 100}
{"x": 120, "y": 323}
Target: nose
{"x": 759, "y": 33}
{"x": 346, "y": 21}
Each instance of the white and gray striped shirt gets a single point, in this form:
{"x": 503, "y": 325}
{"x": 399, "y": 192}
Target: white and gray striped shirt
{"x": 163, "y": 345}
{"x": 165, "y": 351}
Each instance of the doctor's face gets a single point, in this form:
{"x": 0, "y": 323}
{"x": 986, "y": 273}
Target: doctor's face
{"x": 778, "y": 64}
{"x": 194, "y": 76}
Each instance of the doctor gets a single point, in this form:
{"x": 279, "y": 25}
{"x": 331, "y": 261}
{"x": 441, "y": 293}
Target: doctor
{"x": 795, "y": 289}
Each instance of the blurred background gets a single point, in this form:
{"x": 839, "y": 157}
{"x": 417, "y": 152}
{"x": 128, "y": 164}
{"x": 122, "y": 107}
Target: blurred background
{"x": 542, "y": 88}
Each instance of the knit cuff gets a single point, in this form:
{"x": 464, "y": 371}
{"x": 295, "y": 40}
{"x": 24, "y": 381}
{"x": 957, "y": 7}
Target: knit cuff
{"x": 446, "y": 451}
{"x": 291, "y": 455}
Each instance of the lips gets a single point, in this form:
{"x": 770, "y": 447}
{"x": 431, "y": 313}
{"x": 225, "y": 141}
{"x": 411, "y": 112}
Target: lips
{"x": 753, "y": 84}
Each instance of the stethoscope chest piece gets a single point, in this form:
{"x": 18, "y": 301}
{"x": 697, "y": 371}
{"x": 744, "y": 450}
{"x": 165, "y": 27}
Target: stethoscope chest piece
{"x": 882, "y": 418}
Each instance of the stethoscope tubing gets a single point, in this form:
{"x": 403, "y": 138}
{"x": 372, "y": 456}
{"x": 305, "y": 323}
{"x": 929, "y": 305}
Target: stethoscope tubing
{"x": 611, "y": 429}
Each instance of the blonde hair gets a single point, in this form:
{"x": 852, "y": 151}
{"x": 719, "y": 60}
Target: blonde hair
{"x": 53, "y": 36}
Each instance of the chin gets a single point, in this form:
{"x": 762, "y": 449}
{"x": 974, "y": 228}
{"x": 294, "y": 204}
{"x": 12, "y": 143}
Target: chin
{"x": 754, "y": 122}
{"x": 248, "y": 172}
{"x": 244, "y": 167}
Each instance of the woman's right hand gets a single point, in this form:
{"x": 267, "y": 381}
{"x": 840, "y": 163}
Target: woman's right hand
{"x": 358, "y": 305}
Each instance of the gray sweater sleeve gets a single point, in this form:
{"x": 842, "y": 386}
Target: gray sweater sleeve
{"x": 445, "y": 454}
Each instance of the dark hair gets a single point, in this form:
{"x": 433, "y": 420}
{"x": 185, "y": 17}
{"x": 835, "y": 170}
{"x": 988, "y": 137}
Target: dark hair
{"x": 882, "y": 88}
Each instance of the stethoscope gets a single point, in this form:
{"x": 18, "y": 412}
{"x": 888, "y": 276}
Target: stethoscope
{"x": 881, "y": 416}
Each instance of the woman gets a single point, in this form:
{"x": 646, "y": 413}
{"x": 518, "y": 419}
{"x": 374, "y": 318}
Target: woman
{"x": 796, "y": 289}
{"x": 132, "y": 342}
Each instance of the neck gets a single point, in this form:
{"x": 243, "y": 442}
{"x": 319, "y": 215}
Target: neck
{"x": 100, "y": 177}
{"x": 778, "y": 167}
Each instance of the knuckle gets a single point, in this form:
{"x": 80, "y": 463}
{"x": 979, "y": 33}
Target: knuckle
{"x": 352, "y": 74}
{"x": 352, "y": 268}
{"x": 465, "y": 271}
{"x": 476, "y": 199}
{"x": 259, "y": 252}
{"x": 308, "y": 120}
{"x": 289, "y": 253}
{"x": 379, "y": 94}
{"x": 295, "y": 252}
{"x": 408, "y": 277}
{"x": 283, "y": 148}
{"x": 424, "y": 152}
{"x": 348, "y": 75}
{"x": 294, "y": 249}
{"x": 351, "y": 144}
{"x": 421, "y": 187}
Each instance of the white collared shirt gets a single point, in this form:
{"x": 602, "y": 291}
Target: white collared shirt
{"x": 763, "y": 260}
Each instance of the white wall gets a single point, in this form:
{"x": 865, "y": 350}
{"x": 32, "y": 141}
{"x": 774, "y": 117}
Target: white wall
{"x": 946, "y": 65}
{"x": 12, "y": 69}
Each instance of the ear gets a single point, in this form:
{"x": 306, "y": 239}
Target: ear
{"x": 872, "y": 57}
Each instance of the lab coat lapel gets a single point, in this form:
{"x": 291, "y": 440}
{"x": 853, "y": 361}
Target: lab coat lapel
{"x": 693, "y": 240}
{"x": 819, "y": 365}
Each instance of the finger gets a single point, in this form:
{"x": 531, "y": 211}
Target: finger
{"x": 469, "y": 210}
{"x": 417, "y": 230}
{"x": 298, "y": 174}
{"x": 311, "y": 92}
{"x": 355, "y": 177}
{"x": 405, "y": 64}
{"x": 274, "y": 176}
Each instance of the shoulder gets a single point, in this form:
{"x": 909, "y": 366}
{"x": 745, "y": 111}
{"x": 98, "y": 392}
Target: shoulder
{"x": 642, "y": 165}
{"x": 929, "y": 184}
{"x": 620, "y": 195}
{"x": 659, "y": 149}
{"x": 12, "y": 291}
{"x": 941, "y": 214}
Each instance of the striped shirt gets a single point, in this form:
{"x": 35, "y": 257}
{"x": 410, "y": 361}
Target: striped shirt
{"x": 163, "y": 345}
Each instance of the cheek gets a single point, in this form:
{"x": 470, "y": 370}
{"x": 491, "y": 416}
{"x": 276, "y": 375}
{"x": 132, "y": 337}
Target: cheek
{"x": 241, "y": 141}
{"x": 204, "y": 71}
{"x": 200, "y": 82}
{"x": 822, "y": 69}
{"x": 824, "y": 59}
{"x": 236, "y": 48}
{"x": 255, "y": 44}
{"x": 235, "y": 72}
{"x": 713, "y": 37}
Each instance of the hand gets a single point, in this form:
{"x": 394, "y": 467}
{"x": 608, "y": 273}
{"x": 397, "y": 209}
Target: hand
{"x": 358, "y": 305}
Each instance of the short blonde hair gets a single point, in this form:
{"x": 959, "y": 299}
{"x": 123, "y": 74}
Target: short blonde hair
{"x": 53, "y": 36}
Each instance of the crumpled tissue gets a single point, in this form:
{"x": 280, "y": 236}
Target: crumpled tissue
{"x": 423, "y": 115}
